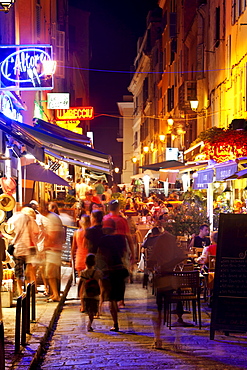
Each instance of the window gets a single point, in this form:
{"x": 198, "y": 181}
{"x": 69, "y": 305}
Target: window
{"x": 145, "y": 91}
{"x": 173, "y": 25}
{"x": 60, "y": 54}
{"x": 217, "y": 27}
{"x": 164, "y": 59}
{"x": 200, "y": 61}
{"x": 38, "y": 19}
{"x": 170, "y": 100}
{"x": 135, "y": 144}
{"x": 173, "y": 45}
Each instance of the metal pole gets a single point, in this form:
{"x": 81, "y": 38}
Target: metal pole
{"x": 2, "y": 352}
{"x": 18, "y": 325}
{"x": 33, "y": 302}
{"x": 28, "y": 307}
{"x": 24, "y": 321}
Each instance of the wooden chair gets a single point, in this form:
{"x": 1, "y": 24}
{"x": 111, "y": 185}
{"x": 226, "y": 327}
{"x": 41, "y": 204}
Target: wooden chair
{"x": 188, "y": 283}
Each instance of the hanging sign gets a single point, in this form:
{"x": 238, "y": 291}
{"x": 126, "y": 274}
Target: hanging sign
{"x": 22, "y": 67}
{"x": 76, "y": 113}
{"x": 8, "y": 108}
{"x": 57, "y": 100}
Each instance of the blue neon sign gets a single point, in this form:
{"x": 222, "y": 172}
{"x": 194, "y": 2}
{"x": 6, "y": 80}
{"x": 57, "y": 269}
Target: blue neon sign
{"x": 22, "y": 67}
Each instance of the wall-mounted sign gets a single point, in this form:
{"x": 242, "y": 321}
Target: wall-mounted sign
{"x": 22, "y": 67}
{"x": 76, "y": 113}
{"x": 58, "y": 100}
{"x": 8, "y": 109}
{"x": 173, "y": 154}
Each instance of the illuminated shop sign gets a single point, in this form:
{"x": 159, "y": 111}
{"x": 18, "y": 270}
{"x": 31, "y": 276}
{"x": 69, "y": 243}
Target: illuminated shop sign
{"x": 57, "y": 100}
{"x": 76, "y": 113}
{"x": 8, "y": 109}
{"x": 23, "y": 67}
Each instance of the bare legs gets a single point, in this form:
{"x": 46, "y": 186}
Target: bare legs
{"x": 113, "y": 310}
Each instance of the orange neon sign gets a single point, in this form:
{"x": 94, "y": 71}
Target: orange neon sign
{"x": 75, "y": 113}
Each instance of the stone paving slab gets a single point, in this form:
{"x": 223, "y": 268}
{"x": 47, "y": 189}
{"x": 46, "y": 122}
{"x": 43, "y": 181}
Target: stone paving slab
{"x": 45, "y": 314}
{"x": 72, "y": 347}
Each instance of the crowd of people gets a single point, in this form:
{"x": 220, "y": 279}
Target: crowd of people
{"x": 104, "y": 247}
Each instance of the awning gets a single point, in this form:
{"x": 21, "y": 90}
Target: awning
{"x": 205, "y": 176}
{"x": 162, "y": 165}
{"x": 57, "y": 130}
{"x": 149, "y": 173}
{"x": 36, "y": 172}
{"x": 69, "y": 151}
{"x": 225, "y": 170}
{"x": 238, "y": 175}
{"x": 12, "y": 129}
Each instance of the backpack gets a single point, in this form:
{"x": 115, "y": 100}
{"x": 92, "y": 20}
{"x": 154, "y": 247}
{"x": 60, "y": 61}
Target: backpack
{"x": 92, "y": 287}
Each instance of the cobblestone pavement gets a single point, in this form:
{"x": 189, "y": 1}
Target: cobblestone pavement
{"x": 72, "y": 347}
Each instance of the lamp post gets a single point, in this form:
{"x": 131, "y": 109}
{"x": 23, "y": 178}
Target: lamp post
{"x": 6, "y": 5}
{"x": 194, "y": 104}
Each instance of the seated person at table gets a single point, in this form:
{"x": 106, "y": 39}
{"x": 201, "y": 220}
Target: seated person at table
{"x": 210, "y": 250}
{"x": 201, "y": 240}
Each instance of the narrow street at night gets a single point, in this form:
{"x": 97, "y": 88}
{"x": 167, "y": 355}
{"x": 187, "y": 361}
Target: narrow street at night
{"x": 72, "y": 347}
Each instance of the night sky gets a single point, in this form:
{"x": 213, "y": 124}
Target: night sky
{"x": 115, "y": 27}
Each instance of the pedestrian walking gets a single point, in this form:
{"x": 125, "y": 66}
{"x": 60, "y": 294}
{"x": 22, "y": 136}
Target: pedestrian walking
{"x": 110, "y": 254}
{"x": 79, "y": 250}
{"x": 26, "y": 231}
{"x": 54, "y": 240}
{"x": 165, "y": 255}
{"x": 90, "y": 289}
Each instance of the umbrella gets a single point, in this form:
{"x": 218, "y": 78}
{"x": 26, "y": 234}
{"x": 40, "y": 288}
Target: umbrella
{"x": 153, "y": 175}
{"x": 36, "y": 172}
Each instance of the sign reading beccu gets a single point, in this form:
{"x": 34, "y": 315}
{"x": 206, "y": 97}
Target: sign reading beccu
{"x": 76, "y": 113}
{"x": 23, "y": 67}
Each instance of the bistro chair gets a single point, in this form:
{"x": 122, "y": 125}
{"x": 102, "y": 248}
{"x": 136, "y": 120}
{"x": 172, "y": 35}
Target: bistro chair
{"x": 209, "y": 278}
{"x": 188, "y": 290}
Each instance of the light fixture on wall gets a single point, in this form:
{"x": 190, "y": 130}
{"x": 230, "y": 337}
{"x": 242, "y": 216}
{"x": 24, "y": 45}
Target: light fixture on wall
{"x": 134, "y": 159}
{"x": 162, "y": 137}
{"x": 227, "y": 190}
{"x": 145, "y": 149}
{"x": 194, "y": 104}
{"x": 116, "y": 169}
{"x": 170, "y": 121}
{"x": 6, "y": 5}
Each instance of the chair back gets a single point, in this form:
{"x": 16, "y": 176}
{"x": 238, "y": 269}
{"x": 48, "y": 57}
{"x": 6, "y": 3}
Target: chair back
{"x": 187, "y": 279}
{"x": 211, "y": 263}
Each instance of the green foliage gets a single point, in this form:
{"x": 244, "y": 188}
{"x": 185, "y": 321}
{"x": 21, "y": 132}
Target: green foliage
{"x": 209, "y": 135}
{"x": 70, "y": 199}
{"x": 186, "y": 219}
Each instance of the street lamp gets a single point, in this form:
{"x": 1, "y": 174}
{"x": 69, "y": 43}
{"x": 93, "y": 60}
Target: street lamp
{"x": 170, "y": 121}
{"x": 6, "y": 5}
{"x": 162, "y": 137}
{"x": 146, "y": 149}
{"x": 194, "y": 104}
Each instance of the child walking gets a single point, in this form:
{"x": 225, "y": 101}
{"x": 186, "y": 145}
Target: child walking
{"x": 90, "y": 289}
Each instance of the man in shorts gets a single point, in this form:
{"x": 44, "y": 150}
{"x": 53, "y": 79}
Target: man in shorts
{"x": 54, "y": 240}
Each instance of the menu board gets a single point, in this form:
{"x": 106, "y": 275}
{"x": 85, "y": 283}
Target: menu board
{"x": 66, "y": 251}
{"x": 229, "y": 305}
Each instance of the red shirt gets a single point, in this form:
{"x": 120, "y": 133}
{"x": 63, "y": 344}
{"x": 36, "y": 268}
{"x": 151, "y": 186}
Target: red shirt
{"x": 212, "y": 249}
{"x": 122, "y": 227}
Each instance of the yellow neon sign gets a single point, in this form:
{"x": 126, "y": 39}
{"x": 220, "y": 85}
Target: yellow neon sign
{"x": 76, "y": 113}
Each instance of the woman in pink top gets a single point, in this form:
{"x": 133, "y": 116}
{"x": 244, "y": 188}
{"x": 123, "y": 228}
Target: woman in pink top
{"x": 79, "y": 248}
